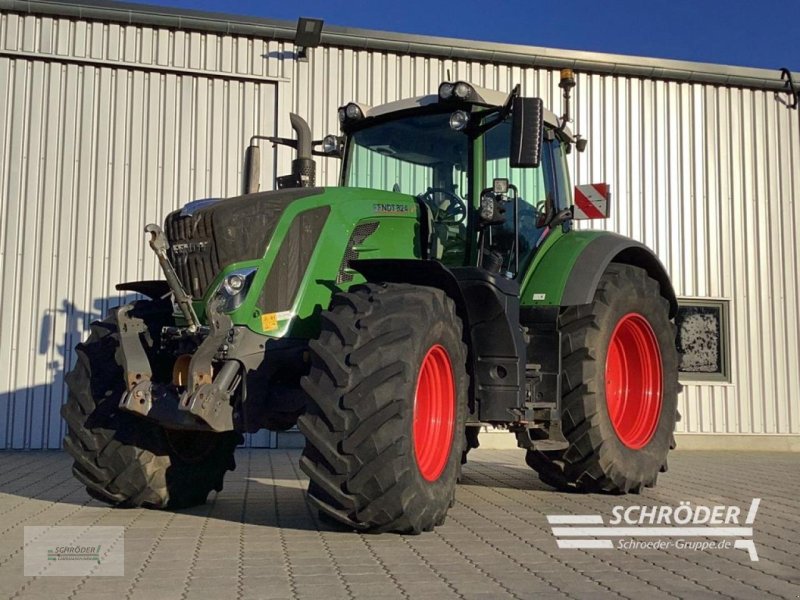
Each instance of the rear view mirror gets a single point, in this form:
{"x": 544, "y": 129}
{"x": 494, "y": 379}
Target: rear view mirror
{"x": 592, "y": 201}
{"x": 527, "y": 119}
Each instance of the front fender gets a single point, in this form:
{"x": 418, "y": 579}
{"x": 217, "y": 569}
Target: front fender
{"x": 155, "y": 289}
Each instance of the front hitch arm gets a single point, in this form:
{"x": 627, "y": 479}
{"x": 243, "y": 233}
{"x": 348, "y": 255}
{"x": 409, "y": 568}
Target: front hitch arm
{"x": 205, "y": 404}
{"x": 159, "y": 244}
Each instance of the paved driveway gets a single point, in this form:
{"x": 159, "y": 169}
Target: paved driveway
{"x": 258, "y": 538}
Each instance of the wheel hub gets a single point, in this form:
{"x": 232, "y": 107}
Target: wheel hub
{"x": 634, "y": 381}
{"x": 434, "y": 413}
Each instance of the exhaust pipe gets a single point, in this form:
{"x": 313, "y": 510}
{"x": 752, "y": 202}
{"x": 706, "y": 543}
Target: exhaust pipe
{"x": 304, "y": 169}
{"x": 253, "y": 170}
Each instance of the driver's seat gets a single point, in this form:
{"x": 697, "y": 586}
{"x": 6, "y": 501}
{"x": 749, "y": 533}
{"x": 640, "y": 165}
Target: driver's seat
{"x": 435, "y": 239}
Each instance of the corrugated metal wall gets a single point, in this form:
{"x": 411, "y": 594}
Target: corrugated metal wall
{"x": 106, "y": 127}
{"x": 102, "y": 130}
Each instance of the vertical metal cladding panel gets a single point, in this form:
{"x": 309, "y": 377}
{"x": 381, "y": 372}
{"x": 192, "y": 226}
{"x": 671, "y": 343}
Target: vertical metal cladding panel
{"x": 90, "y": 151}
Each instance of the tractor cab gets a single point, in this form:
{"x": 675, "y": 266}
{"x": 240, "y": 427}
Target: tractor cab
{"x": 447, "y": 150}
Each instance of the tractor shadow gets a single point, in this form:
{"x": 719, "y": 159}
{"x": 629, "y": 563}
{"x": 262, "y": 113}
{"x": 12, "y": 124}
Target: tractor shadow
{"x": 481, "y": 472}
{"x": 251, "y": 496}
{"x": 53, "y": 354}
{"x": 265, "y": 491}
{"x": 273, "y": 502}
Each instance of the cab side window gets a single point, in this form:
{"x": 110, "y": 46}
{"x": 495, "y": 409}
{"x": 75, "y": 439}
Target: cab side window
{"x": 536, "y": 194}
{"x": 563, "y": 193}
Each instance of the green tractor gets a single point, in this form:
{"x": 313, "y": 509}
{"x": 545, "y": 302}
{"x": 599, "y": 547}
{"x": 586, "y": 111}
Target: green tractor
{"x": 441, "y": 287}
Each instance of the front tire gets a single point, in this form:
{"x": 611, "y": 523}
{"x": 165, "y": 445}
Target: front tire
{"x": 619, "y": 388}
{"x": 123, "y": 459}
{"x": 385, "y": 424}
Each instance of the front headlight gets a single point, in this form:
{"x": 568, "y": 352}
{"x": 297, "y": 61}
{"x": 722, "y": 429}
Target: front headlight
{"x": 234, "y": 288}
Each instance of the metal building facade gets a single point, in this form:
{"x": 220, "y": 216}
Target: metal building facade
{"x": 113, "y": 115}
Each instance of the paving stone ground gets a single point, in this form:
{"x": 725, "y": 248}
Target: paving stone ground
{"x": 259, "y": 539}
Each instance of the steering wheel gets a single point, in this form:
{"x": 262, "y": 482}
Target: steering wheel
{"x": 456, "y": 210}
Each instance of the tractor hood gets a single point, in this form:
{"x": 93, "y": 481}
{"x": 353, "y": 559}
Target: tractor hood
{"x": 205, "y": 240}
{"x": 296, "y": 243}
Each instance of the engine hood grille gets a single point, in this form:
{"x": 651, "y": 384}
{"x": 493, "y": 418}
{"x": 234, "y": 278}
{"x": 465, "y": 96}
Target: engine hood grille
{"x": 210, "y": 238}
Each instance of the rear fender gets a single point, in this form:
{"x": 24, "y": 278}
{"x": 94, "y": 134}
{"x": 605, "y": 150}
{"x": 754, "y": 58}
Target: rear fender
{"x": 570, "y": 270}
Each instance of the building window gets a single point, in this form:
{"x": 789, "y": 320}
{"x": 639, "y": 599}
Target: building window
{"x": 702, "y": 340}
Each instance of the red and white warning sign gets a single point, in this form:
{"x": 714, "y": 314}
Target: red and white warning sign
{"x": 591, "y": 201}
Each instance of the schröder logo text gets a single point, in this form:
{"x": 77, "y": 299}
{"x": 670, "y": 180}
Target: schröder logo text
{"x": 74, "y": 550}
{"x": 694, "y": 527}
{"x": 683, "y": 514}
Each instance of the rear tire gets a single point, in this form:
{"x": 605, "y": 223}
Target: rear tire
{"x": 125, "y": 460}
{"x": 620, "y": 388}
{"x": 385, "y": 425}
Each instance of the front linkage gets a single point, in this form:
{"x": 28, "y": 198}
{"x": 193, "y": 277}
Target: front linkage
{"x": 204, "y": 404}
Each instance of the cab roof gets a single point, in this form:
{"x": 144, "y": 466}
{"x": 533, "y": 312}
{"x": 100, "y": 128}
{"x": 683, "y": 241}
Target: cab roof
{"x": 485, "y": 97}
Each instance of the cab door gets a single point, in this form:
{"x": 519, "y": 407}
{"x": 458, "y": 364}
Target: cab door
{"x": 541, "y": 193}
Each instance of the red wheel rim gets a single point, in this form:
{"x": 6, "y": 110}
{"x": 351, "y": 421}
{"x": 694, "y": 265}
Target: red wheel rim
{"x": 634, "y": 381}
{"x": 434, "y": 413}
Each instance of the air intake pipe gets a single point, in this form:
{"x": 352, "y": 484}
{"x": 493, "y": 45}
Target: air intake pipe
{"x": 304, "y": 169}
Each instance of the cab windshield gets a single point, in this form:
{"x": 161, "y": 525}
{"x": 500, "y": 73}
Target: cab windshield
{"x": 412, "y": 155}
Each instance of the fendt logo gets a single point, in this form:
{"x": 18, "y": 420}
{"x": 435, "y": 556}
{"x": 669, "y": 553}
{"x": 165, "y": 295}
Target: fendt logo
{"x": 188, "y": 247}
{"x": 685, "y": 527}
{"x": 390, "y": 209}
